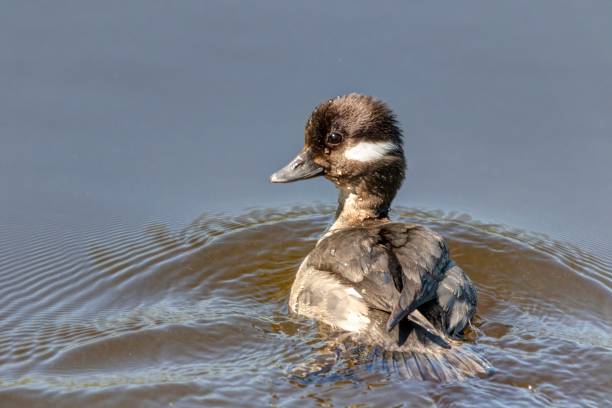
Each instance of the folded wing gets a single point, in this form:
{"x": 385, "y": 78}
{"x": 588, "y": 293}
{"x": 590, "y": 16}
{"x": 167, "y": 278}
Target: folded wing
{"x": 395, "y": 267}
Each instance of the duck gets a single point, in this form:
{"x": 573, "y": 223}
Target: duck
{"x": 389, "y": 284}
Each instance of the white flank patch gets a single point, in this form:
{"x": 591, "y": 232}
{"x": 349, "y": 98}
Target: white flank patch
{"x": 354, "y": 322}
{"x": 353, "y": 292}
{"x": 368, "y": 151}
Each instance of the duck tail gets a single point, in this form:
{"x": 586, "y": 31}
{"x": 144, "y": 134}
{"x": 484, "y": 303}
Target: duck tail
{"x": 451, "y": 365}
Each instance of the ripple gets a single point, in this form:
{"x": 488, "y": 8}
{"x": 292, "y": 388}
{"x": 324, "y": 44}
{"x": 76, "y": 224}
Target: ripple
{"x": 122, "y": 311}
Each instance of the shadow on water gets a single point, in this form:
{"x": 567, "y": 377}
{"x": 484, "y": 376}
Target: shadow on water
{"x": 198, "y": 315}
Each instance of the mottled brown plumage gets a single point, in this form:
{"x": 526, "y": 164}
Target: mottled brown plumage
{"x": 389, "y": 284}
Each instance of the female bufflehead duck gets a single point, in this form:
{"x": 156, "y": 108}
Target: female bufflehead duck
{"x": 386, "y": 283}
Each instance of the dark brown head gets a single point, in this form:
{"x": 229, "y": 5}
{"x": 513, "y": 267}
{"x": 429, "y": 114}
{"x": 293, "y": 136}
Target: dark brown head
{"x": 354, "y": 141}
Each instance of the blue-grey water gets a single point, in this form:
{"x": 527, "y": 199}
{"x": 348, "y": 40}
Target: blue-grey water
{"x": 145, "y": 260}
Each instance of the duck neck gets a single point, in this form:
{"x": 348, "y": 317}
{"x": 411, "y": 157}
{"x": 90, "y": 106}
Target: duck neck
{"x": 369, "y": 199}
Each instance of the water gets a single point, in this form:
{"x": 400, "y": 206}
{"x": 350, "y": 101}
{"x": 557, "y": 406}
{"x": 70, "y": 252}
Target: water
{"x": 121, "y": 124}
{"x": 152, "y": 315}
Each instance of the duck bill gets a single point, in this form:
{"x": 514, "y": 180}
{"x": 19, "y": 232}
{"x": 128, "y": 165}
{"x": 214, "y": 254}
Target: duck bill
{"x": 300, "y": 168}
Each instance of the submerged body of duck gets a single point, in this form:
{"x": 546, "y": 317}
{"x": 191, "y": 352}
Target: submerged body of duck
{"x": 388, "y": 284}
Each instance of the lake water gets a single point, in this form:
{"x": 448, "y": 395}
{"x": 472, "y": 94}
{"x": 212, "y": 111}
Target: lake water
{"x": 145, "y": 260}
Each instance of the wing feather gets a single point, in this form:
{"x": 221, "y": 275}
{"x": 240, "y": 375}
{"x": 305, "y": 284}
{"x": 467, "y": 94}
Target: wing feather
{"x": 396, "y": 267}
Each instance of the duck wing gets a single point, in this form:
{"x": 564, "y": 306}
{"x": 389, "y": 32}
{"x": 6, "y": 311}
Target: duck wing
{"x": 423, "y": 257}
{"x": 394, "y": 267}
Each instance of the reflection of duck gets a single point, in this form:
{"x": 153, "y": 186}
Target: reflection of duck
{"x": 388, "y": 283}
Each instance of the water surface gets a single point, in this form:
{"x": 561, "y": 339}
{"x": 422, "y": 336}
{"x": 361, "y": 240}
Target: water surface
{"x": 153, "y": 315}
{"x": 123, "y": 122}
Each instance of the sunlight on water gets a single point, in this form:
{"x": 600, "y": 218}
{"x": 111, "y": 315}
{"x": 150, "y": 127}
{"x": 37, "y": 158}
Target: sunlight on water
{"x": 195, "y": 311}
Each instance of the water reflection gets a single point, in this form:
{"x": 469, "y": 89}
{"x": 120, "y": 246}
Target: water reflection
{"x": 200, "y": 312}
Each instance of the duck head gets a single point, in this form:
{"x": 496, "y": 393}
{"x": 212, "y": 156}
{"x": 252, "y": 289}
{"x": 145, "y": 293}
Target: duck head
{"x": 353, "y": 141}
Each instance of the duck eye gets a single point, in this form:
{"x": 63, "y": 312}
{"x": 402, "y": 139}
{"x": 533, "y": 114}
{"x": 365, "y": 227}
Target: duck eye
{"x": 334, "y": 138}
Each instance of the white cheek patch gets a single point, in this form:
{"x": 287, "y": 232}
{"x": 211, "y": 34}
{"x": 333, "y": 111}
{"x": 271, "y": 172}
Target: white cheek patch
{"x": 369, "y": 151}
